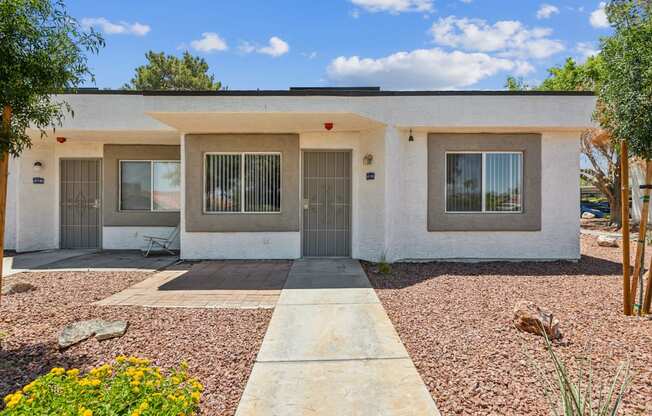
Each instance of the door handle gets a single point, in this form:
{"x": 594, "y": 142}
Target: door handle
{"x": 96, "y": 204}
{"x": 306, "y": 203}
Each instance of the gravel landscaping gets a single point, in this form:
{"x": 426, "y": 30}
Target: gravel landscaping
{"x": 219, "y": 345}
{"x": 456, "y": 322}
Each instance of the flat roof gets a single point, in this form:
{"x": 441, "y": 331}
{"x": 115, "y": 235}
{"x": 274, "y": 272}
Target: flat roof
{"x": 327, "y": 91}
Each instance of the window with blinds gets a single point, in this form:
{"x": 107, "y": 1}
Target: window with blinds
{"x": 243, "y": 182}
{"x": 484, "y": 182}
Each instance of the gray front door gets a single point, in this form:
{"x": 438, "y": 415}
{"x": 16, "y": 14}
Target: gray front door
{"x": 326, "y": 203}
{"x": 80, "y": 203}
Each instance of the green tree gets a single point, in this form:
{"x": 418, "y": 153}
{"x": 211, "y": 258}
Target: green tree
{"x": 168, "y": 72}
{"x": 42, "y": 53}
{"x": 513, "y": 83}
{"x": 573, "y": 76}
{"x": 627, "y": 88}
{"x": 626, "y": 93}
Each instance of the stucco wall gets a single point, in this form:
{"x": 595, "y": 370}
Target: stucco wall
{"x": 112, "y": 215}
{"x": 559, "y": 235}
{"x": 132, "y": 238}
{"x": 530, "y": 147}
{"x": 195, "y": 149}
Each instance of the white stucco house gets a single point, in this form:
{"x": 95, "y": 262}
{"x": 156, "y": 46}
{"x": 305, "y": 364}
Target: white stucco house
{"x": 308, "y": 172}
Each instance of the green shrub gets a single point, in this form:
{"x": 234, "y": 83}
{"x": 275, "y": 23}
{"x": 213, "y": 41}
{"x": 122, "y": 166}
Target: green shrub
{"x": 129, "y": 387}
{"x": 384, "y": 268}
{"x": 583, "y": 396}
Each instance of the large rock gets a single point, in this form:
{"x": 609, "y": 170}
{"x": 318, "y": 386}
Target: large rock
{"x": 79, "y": 331}
{"x": 587, "y": 215}
{"x": 533, "y": 319}
{"x": 17, "y": 287}
{"x": 606, "y": 241}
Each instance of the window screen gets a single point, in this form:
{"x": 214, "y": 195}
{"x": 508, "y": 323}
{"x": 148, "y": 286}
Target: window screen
{"x": 484, "y": 182}
{"x": 135, "y": 186}
{"x": 166, "y": 193}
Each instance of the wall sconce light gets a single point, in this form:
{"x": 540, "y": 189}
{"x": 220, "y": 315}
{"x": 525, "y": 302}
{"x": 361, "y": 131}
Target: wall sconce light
{"x": 38, "y": 166}
{"x": 411, "y": 138}
{"x": 368, "y": 159}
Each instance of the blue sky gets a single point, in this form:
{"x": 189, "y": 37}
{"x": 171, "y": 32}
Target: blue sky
{"x": 395, "y": 44}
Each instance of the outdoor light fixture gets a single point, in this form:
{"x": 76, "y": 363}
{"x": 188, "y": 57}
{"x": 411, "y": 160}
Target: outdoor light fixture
{"x": 38, "y": 166}
{"x": 328, "y": 125}
{"x": 411, "y": 138}
{"x": 368, "y": 159}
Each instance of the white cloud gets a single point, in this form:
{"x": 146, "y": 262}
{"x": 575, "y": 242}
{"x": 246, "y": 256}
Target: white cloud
{"x": 585, "y": 50}
{"x": 598, "y": 17}
{"x": 508, "y": 38}
{"x": 395, "y": 6}
{"x": 120, "y": 28}
{"x": 209, "y": 42}
{"x": 421, "y": 69}
{"x": 276, "y": 47}
{"x": 546, "y": 11}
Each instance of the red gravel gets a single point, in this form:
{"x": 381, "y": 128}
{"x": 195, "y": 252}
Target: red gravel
{"x": 456, "y": 322}
{"x": 219, "y": 345}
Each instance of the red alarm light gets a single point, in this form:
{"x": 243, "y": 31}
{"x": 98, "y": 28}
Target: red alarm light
{"x": 328, "y": 126}
{"x": 61, "y": 139}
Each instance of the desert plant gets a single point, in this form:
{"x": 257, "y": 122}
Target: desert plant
{"x": 579, "y": 396}
{"x": 129, "y": 387}
{"x": 383, "y": 266}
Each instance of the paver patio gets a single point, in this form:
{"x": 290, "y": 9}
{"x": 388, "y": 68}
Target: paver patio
{"x": 209, "y": 284}
{"x": 330, "y": 349}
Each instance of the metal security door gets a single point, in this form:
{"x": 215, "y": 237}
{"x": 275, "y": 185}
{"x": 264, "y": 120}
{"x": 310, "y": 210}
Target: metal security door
{"x": 327, "y": 204}
{"x": 80, "y": 204}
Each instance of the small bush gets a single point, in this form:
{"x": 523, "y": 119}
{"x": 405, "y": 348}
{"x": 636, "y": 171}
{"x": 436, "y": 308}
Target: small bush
{"x": 129, "y": 387}
{"x": 384, "y": 268}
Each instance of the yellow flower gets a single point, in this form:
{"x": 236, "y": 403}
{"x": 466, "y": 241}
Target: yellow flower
{"x": 121, "y": 359}
{"x": 73, "y": 372}
{"x": 135, "y": 383}
{"x": 195, "y": 395}
{"x": 57, "y": 371}
{"x": 196, "y": 384}
{"x": 175, "y": 380}
{"x": 143, "y": 406}
{"x": 136, "y": 413}
{"x": 30, "y": 386}
{"x": 85, "y": 412}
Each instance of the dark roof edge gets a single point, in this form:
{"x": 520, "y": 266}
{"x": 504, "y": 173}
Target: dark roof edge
{"x": 325, "y": 93}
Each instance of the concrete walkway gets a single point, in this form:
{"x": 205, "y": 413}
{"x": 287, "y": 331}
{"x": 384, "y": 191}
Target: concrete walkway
{"x": 330, "y": 349}
{"x": 26, "y": 262}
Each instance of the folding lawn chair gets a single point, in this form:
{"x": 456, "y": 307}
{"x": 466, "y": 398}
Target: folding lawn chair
{"x": 163, "y": 242}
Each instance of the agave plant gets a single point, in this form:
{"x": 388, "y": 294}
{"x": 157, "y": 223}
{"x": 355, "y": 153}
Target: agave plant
{"x": 583, "y": 396}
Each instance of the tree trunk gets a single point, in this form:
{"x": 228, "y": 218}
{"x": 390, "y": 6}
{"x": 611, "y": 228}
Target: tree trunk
{"x": 624, "y": 197}
{"x": 4, "y": 170}
{"x": 642, "y": 232}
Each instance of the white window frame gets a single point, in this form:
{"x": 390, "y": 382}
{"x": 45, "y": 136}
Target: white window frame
{"x": 484, "y": 178}
{"x": 242, "y": 184}
{"x": 151, "y": 187}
